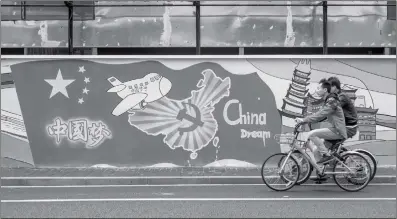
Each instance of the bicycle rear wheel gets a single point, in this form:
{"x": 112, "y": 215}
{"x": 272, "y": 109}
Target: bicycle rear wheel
{"x": 361, "y": 172}
{"x": 370, "y": 158}
{"x": 372, "y": 161}
{"x": 288, "y": 175}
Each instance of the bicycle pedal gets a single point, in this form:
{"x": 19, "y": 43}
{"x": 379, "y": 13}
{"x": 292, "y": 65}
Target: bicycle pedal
{"x": 320, "y": 179}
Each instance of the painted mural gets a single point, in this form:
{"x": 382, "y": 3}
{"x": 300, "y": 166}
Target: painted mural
{"x": 186, "y": 112}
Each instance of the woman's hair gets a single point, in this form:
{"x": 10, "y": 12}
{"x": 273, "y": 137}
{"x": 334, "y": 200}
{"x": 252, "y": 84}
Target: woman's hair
{"x": 334, "y": 82}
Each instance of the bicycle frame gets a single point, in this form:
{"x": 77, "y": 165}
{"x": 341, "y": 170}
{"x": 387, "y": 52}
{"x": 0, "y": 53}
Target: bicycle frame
{"x": 302, "y": 151}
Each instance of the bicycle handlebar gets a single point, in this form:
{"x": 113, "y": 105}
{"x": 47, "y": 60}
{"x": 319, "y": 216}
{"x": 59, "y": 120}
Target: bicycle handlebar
{"x": 296, "y": 129}
{"x": 298, "y": 126}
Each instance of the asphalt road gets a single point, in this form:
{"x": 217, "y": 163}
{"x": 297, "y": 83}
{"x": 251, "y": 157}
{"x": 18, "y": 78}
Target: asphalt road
{"x": 227, "y": 201}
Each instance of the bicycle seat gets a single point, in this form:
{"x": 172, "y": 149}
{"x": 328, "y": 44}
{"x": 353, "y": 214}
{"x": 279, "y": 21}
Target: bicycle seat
{"x": 335, "y": 143}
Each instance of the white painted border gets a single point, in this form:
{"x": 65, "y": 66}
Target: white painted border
{"x": 172, "y": 185}
{"x": 192, "y": 0}
{"x": 148, "y": 177}
{"x": 196, "y": 199}
{"x": 200, "y": 57}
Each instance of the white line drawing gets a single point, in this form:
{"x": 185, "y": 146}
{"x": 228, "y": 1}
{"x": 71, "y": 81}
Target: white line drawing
{"x": 59, "y": 84}
{"x": 86, "y": 81}
{"x": 83, "y": 130}
{"x": 85, "y": 91}
{"x": 215, "y": 142}
{"x": 136, "y": 94}
{"x": 188, "y": 123}
{"x": 81, "y": 69}
{"x": 5, "y": 69}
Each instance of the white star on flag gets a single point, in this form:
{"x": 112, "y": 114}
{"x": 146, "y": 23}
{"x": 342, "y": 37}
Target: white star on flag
{"x": 81, "y": 100}
{"x": 81, "y": 69}
{"x": 59, "y": 84}
{"x": 85, "y": 91}
{"x": 86, "y": 80}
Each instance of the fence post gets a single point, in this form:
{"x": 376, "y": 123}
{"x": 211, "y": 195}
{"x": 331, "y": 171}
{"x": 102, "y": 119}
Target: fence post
{"x": 325, "y": 27}
{"x": 69, "y": 4}
{"x": 198, "y": 27}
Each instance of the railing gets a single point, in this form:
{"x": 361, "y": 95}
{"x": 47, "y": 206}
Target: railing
{"x": 198, "y": 4}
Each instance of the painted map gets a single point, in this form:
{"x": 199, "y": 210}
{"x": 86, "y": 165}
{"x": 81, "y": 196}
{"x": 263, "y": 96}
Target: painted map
{"x": 187, "y": 123}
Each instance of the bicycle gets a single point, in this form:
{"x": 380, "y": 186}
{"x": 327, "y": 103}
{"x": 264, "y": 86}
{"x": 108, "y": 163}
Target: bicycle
{"x": 340, "y": 158}
{"x": 305, "y": 164}
{"x": 307, "y": 168}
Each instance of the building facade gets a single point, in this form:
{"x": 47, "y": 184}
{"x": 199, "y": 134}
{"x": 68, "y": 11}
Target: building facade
{"x": 366, "y": 123}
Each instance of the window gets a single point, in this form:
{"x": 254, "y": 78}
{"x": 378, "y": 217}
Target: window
{"x": 391, "y": 10}
{"x": 360, "y": 26}
{"x": 229, "y": 28}
{"x": 261, "y": 29}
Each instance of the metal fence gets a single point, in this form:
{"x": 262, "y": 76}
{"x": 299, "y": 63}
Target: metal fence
{"x": 208, "y": 24}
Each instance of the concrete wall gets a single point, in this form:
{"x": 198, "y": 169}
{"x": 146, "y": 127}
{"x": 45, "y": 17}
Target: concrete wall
{"x": 178, "y": 111}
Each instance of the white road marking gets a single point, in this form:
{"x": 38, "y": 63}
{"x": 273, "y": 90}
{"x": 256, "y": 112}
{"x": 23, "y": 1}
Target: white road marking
{"x": 172, "y": 185}
{"x": 151, "y": 177}
{"x": 386, "y": 166}
{"x": 163, "y": 193}
{"x": 132, "y": 177}
{"x": 194, "y": 199}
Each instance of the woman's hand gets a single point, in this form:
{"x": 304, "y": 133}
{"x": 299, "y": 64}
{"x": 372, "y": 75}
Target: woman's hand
{"x": 299, "y": 120}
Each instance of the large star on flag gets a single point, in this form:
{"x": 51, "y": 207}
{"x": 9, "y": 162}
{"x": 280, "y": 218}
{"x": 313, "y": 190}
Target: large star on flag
{"x": 59, "y": 84}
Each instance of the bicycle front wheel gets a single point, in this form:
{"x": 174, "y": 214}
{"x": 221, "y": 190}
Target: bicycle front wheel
{"x": 278, "y": 178}
{"x": 357, "y": 177}
{"x": 306, "y": 168}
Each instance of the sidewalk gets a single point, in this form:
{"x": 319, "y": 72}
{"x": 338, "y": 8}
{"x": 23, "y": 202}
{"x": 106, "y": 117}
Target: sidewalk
{"x": 147, "y": 176}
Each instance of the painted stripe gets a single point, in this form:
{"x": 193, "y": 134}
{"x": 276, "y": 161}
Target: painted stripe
{"x": 386, "y": 166}
{"x": 129, "y": 177}
{"x": 152, "y": 177}
{"x": 170, "y": 185}
{"x": 249, "y": 169}
{"x": 198, "y": 57}
{"x": 193, "y": 199}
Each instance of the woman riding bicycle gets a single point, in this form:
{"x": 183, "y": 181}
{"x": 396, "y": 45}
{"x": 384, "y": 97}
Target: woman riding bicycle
{"x": 349, "y": 110}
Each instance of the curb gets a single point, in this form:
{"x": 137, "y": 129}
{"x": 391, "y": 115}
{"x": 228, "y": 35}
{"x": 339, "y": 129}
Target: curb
{"x": 150, "y": 176}
{"x": 166, "y": 180}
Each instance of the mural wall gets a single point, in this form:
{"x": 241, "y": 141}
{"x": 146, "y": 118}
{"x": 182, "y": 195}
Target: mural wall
{"x": 187, "y": 112}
